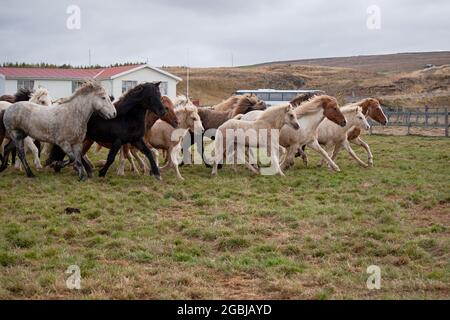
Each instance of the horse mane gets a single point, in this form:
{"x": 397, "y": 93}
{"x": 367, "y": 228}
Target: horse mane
{"x": 131, "y": 98}
{"x": 87, "y": 87}
{"x": 298, "y": 100}
{"x": 273, "y": 112}
{"x": 181, "y": 101}
{"x": 38, "y": 93}
{"x": 350, "y": 108}
{"x": 311, "y": 105}
{"x": 23, "y": 94}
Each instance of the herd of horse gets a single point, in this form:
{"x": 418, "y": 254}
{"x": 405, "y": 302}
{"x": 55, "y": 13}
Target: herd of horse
{"x": 142, "y": 122}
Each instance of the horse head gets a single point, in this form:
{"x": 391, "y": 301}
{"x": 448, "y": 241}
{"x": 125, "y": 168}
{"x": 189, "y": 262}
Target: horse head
{"x": 170, "y": 117}
{"x": 331, "y": 110}
{"x": 371, "y": 108}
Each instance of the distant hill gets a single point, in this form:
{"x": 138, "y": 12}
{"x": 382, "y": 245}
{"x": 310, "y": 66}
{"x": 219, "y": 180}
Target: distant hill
{"x": 400, "y": 62}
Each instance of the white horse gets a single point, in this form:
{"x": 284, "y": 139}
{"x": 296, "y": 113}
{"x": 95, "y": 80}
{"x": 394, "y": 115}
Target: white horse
{"x": 64, "y": 125}
{"x": 41, "y": 97}
{"x": 164, "y": 136}
{"x": 334, "y": 137}
{"x": 272, "y": 118}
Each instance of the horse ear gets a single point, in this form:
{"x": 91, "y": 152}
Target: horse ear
{"x": 157, "y": 83}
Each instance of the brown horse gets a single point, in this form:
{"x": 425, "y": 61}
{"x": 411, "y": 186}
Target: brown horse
{"x": 20, "y": 95}
{"x": 248, "y": 99}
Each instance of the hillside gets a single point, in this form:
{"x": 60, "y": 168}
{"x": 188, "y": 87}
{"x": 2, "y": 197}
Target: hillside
{"x": 400, "y": 62}
{"x": 407, "y": 88}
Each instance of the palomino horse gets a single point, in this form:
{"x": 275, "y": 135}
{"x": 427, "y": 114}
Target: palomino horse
{"x": 64, "y": 126}
{"x": 334, "y": 137}
{"x": 127, "y": 127}
{"x": 273, "y": 118}
{"x": 164, "y": 136}
{"x": 248, "y": 99}
{"x": 213, "y": 119}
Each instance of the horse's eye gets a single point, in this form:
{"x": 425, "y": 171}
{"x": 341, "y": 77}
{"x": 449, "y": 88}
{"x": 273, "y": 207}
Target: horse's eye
{"x": 104, "y": 98}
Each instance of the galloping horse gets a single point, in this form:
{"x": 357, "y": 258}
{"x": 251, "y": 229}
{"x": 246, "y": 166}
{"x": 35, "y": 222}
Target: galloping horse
{"x": 272, "y": 118}
{"x": 64, "y": 126}
{"x": 127, "y": 128}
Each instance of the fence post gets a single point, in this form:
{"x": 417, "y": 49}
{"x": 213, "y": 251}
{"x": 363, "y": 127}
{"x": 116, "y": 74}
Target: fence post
{"x": 409, "y": 122}
{"x": 446, "y": 122}
{"x": 426, "y": 116}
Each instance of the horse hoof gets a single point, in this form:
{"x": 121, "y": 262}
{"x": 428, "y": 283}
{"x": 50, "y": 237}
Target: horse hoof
{"x": 102, "y": 174}
{"x": 158, "y": 177}
{"x": 208, "y": 165}
{"x": 82, "y": 178}
{"x": 31, "y": 176}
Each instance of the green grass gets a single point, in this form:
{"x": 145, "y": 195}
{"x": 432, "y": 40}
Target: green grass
{"x": 310, "y": 235}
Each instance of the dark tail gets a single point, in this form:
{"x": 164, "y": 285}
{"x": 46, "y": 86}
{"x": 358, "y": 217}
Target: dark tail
{"x": 56, "y": 154}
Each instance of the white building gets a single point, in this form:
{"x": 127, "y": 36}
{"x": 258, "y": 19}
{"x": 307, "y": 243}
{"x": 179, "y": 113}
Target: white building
{"x": 63, "y": 82}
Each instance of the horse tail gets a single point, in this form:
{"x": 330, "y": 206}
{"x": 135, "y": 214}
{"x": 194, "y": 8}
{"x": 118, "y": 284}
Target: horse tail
{"x": 56, "y": 154}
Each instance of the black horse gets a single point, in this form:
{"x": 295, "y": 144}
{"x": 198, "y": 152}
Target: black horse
{"x": 127, "y": 127}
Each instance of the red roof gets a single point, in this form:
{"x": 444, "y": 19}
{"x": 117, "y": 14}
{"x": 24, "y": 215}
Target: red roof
{"x": 58, "y": 73}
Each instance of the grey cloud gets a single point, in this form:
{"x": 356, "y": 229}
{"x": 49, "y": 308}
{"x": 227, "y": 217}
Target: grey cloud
{"x": 253, "y": 31}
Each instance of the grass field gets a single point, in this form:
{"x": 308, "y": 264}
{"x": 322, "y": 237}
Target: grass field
{"x": 310, "y": 235}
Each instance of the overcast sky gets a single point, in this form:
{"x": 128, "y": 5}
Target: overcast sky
{"x": 212, "y": 31}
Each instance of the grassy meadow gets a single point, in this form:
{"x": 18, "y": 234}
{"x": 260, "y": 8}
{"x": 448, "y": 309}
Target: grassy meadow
{"x": 310, "y": 235}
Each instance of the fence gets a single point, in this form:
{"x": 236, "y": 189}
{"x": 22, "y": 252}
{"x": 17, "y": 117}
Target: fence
{"x": 417, "y": 118}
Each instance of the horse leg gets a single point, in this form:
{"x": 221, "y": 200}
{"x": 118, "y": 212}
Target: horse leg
{"x": 115, "y": 148}
{"x": 78, "y": 163}
{"x": 121, "y": 167}
{"x": 346, "y": 146}
{"x": 18, "y": 138}
{"x": 128, "y": 155}
{"x": 174, "y": 159}
{"x": 141, "y": 146}
{"x": 316, "y": 147}
{"x": 141, "y": 162}
{"x": 301, "y": 153}
{"x": 87, "y": 165}
{"x": 188, "y": 141}
{"x": 7, "y": 150}
{"x": 31, "y": 146}
{"x": 359, "y": 142}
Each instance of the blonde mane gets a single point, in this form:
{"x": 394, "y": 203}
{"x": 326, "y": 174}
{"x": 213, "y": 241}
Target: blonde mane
{"x": 310, "y": 106}
{"x": 183, "y": 104}
{"x": 38, "y": 93}
{"x": 274, "y": 114}
{"x": 351, "y": 108}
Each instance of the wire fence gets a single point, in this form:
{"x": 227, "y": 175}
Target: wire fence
{"x": 416, "y": 118}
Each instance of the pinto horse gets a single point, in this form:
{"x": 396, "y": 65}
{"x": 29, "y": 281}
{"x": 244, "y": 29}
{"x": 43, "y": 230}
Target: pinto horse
{"x": 371, "y": 109}
{"x": 127, "y": 128}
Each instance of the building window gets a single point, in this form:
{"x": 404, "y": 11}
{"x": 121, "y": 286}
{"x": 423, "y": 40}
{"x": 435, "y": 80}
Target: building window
{"x": 25, "y": 84}
{"x": 76, "y": 85}
{"x": 127, "y": 85}
{"x": 164, "y": 88}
